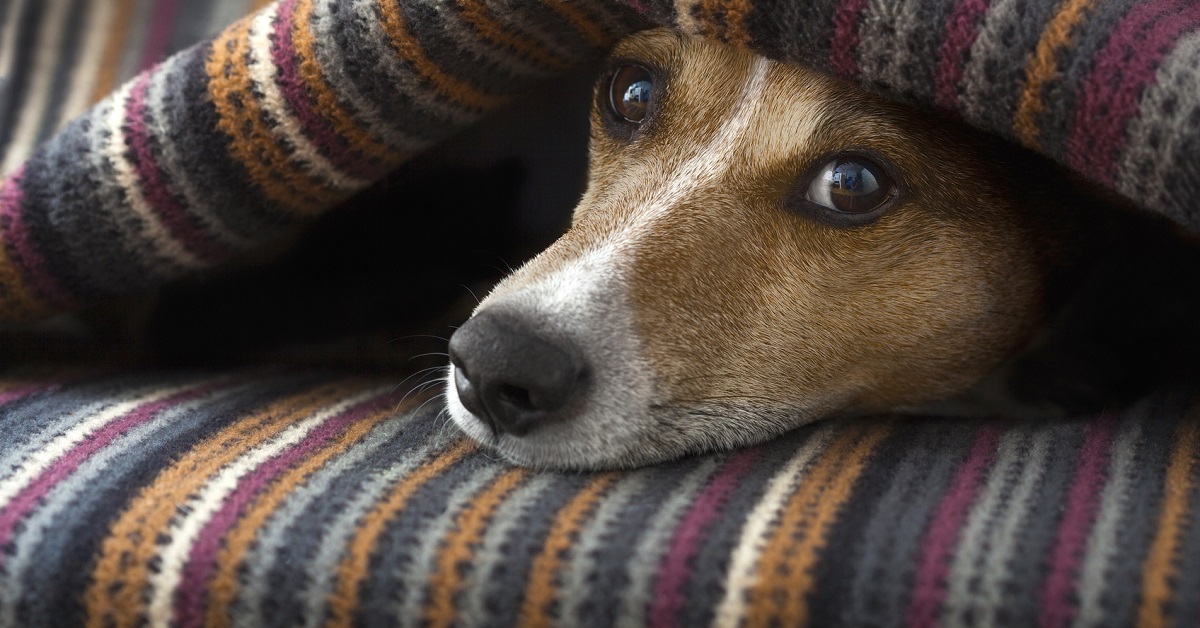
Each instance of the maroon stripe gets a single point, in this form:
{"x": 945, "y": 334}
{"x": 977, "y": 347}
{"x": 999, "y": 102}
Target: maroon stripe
{"x": 32, "y": 494}
{"x": 174, "y": 216}
{"x": 295, "y": 91}
{"x": 22, "y": 392}
{"x": 933, "y": 566}
{"x": 1122, "y": 71}
{"x": 843, "y": 48}
{"x": 202, "y": 560}
{"x": 676, "y": 567}
{"x": 1083, "y": 502}
{"x": 161, "y": 22}
{"x": 19, "y": 242}
{"x": 961, "y": 29}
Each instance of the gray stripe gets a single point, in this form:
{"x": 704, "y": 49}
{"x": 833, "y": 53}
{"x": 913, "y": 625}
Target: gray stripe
{"x": 176, "y": 166}
{"x": 1108, "y": 583}
{"x": 429, "y": 540}
{"x": 135, "y": 40}
{"x": 479, "y": 585}
{"x": 271, "y": 543}
{"x": 979, "y": 572}
{"x": 580, "y": 573}
{"x": 335, "y": 534}
{"x": 45, "y": 575}
{"x": 1061, "y": 93}
{"x": 890, "y": 42}
{"x": 371, "y": 82}
{"x": 881, "y": 578}
{"x": 995, "y": 69}
{"x": 645, "y": 558}
{"x": 66, "y": 59}
{"x": 1159, "y": 166}
{"x": 28, "y": 427}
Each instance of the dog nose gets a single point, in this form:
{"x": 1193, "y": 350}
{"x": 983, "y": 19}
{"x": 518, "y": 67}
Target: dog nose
{"x": 511, "y": 376}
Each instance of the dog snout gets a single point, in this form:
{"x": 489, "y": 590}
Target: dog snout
{"x": 513, "y": 377}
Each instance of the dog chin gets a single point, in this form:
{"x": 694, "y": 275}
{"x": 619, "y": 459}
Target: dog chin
{"x": 604, "y": 441}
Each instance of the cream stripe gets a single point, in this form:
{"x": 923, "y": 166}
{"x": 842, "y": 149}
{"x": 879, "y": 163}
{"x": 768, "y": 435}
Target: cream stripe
{"x": 753, "y": 538}
{"x": 152, "y": 231}
{"x": 262, "y": 72}
{"x": 999, "y": 521}
{"x": 41, "y": 459}
{"x": 424, "y": 557}
{"x": 322, "y": 569}
{"x": 200, "y": 508}
{"x": 583, "y": 564}
{"x": 37, "y": 96}
{"x": 1102, "y": 544}
{"x": 492, "y": 553}
{"x": 97, "y": 29}
{"x": 175, "y": 164}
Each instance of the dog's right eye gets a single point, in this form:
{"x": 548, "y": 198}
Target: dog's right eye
{"x": 631, "y": 93}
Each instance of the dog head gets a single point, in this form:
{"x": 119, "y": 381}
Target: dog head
{"x": 759, "y": 247}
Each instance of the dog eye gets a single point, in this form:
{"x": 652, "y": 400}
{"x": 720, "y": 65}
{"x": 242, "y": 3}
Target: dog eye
{"x": 851, "y": 185}
{"x": 631, "y": 92}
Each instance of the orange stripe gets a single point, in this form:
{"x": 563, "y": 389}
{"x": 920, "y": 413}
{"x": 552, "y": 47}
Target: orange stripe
{"x": 407, "y": 46}
{"x": 106, "y": 73}
{"x": 779, "y": 596}
{"x": 458, "y": 548}
{"x": 121, "y": 576}
{"x": 325, "y": 98}
{"x": 595, "y": 34}
{"x": 353, "y": 569}
{"x": 260, "y": 5}
{"x": 540, "y": 592}
{"x": 479, "y": 15}
{"x": 1043, "y": 68}
{"x": 252, "y": 143}
{"x": 223, "y": 587}
{"x": 1161, "y": 566}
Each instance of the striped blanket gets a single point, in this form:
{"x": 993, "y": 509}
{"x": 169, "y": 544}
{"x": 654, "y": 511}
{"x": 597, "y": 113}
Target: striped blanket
{"x": 291, "y": 497}
{"x": 285, "y": 499}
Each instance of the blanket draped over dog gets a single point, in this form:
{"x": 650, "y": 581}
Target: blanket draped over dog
{"x": 282, "y": 497}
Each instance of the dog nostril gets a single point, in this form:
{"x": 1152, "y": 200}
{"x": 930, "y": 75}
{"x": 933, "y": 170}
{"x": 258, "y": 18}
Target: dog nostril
{"x": 516, "y": 396}
{"x": 513, "y": 377}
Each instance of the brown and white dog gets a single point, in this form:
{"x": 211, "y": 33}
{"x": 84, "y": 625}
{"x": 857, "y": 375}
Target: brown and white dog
{"x": 760, "y": 247}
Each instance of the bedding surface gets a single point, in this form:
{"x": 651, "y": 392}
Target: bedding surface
{"x": 284, "y": 498}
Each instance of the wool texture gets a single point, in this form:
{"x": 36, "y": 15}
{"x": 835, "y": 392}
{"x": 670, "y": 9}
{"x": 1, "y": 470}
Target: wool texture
{"x": 208, "y": 153}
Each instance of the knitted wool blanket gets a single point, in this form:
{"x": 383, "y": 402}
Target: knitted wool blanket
{"x": 289, "y": 111}
{"x": 286, "y": 497}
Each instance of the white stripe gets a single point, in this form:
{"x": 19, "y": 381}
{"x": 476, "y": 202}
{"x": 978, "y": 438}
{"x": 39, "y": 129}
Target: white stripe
{"x": 993, "y": 529}
{"x": 199, "y": 509}
{"x": 152, "y": 232}
{"x": 37, "y": 97}
{"x": 98, "y": 27}
{"x": 41, "y": 459}
{"x": 174, "y": 160}
{"x": 743, "y": 567}
{"x": 336, "y": 535}
{"x": 262, "y": 71}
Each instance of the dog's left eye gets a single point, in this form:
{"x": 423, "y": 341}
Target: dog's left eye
{"x": 631, "y": 92}
{"x": 851, "y": 185}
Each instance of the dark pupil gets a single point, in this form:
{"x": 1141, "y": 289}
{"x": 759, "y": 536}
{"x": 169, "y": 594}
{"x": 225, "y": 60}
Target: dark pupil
{"x": 856, "y": 187}
{"x": 632, "y": 89}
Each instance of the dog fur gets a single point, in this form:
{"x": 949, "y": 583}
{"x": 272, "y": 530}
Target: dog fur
{"x": 712, "y": 314}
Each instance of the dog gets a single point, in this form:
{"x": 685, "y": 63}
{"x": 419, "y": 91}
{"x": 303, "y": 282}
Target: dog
{"x": 760, "y": 247}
